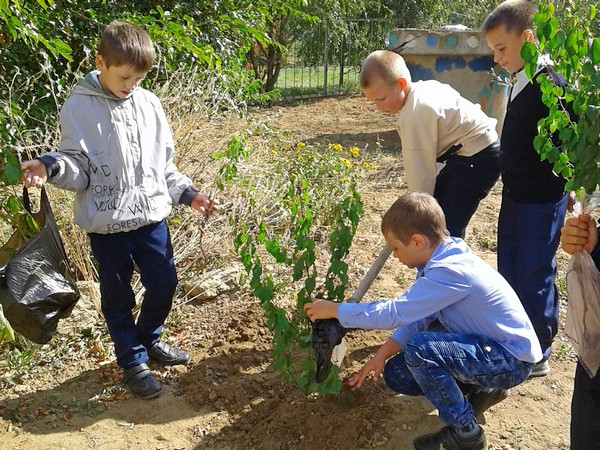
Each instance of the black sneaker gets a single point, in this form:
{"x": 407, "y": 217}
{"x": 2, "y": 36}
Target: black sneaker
{"x": 164, "y": 354}
{"x": 482, "y": 401}
{"x": 141, "y": 382}
{"x": 447, "y": 439}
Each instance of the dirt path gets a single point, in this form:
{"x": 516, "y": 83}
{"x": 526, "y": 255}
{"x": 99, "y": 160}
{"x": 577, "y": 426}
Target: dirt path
{"x": 228, "y": 397}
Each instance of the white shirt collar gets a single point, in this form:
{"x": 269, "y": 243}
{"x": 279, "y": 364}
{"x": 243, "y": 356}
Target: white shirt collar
{"x": 521, "y": 78}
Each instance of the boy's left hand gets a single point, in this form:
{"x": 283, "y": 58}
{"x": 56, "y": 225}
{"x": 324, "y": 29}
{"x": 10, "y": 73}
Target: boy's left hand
{"x": 376, "y": 365}
{"x": 205, "y": 204}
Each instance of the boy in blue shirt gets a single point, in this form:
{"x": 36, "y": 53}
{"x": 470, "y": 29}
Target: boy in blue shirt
{"x": 534, "y": 201}
{"x": 487, "y": 346}
{"x": 116, "y": 153}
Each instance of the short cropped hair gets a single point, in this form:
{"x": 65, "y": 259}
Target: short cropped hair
{"x": 515, "y": 15}
{"x": 415, "y": 213}
{"x": 126, "y": 44}
{"x": 383, "y": 65}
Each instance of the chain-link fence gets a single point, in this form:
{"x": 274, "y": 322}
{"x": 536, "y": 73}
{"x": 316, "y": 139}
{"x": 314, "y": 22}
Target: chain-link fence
{"x": 326, "y": 59}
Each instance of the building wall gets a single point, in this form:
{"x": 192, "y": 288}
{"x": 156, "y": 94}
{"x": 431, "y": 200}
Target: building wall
{"x": 460, "y": 58}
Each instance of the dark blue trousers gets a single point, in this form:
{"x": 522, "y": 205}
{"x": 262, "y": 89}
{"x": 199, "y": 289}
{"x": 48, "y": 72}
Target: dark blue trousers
{"x": 150, "y": 248}
{"x": 463, "y": 183}
{"x": 528, "y": 237}
{"x": 585, "y": 411}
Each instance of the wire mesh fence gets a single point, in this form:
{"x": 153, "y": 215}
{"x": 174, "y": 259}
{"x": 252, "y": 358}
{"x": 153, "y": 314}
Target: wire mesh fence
{"x": 326, "y": 59}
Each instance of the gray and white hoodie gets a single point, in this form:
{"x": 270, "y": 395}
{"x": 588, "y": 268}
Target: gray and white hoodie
{"x": 117, "y": 155}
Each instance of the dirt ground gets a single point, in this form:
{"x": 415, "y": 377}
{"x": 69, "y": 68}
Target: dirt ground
{"x": 228, "y": 397}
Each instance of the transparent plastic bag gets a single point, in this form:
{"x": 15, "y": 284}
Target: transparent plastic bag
{"x": 37, "y": 287}
{"x": 582, "y": 326}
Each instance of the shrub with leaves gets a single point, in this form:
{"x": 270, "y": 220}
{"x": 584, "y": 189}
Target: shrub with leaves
{"x": 313, "y": 203}
{"x": 576, "y": 54}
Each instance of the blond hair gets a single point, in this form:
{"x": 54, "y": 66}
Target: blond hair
{"x": 383, "y": 65}
{"x": 126, "y": 44}
{"x": 415, "y": 213}
{"x": 515, "y": 15}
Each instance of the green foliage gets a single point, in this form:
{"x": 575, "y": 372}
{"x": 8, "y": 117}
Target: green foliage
{"x": 19, "y": 359}
{"x": 568, "y": 39}
{"x": 316, "y": 196}
{"x": 6, "y": 331}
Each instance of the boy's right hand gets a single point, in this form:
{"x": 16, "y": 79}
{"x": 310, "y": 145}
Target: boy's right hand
{"x": 579, "y": 233}
{"x": 321, "y": 309}
{"x": 35, "y": 174}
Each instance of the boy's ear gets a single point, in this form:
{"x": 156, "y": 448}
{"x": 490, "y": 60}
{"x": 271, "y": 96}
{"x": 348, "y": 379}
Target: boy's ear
{"x": 402, "y": 83}
{"x": 528, "y": 35}
{"x": 100, "y": 64}
{"x": 419, "y": 240}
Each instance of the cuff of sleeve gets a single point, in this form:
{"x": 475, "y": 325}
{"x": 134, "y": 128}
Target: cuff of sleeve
{"x": 400, "y": 335}
{"x": 51, "y": 164}
{"x": 188, "y": 196}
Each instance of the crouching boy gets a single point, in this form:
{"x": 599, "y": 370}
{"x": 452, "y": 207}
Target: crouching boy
{"x": 487, "y": 344}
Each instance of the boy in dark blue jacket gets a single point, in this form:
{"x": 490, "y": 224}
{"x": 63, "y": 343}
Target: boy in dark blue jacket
{"x": 534, "y": 201}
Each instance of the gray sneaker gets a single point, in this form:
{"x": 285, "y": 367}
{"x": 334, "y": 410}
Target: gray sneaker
{"x": 540, "y": 369}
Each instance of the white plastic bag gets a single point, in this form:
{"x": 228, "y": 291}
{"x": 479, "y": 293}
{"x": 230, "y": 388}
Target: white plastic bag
{"x": 582, "y": 326}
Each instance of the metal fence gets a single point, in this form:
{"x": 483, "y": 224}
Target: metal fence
{"x": 326, "y": 59}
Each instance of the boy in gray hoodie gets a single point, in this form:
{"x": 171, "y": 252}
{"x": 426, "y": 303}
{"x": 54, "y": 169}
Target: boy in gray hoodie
{"x": 116, "y": 153}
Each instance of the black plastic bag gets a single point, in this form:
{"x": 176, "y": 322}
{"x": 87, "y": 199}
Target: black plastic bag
{"x": 37, "y": 287}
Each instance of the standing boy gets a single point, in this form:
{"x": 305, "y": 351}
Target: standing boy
{"x": 534, "y": 201}
{"x": 487, "y": 346}
{"x": 116, "y": 153}
{"x": 581, "y": 234}
{"x": 437, "y": 127}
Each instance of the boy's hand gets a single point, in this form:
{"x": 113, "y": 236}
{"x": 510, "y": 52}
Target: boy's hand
{"x": 579, "y": 233}
{"x": 321, "y": 309}
{"x": 375, "y": 365}
{"x": 205, "y": 204}
{"x": 35, "y": 173}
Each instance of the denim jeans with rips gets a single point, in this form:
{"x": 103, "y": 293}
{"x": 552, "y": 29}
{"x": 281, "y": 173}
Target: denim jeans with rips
{"x": 445, "y": 367}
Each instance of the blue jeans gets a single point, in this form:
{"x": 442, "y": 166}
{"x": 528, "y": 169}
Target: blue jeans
{"x": 463, "y": 183}
{"x": 528, "y": 237}
{"x": 150, "y": 248}
{"x": 444, "y": 367}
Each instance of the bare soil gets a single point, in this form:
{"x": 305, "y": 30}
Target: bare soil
{"x": 229, "y": 397}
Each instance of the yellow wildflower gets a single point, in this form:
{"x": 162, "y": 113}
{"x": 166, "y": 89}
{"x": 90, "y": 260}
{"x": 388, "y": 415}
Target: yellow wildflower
{"x": 346, "y": 163}
{"x": 336, "y": 147}
{"x": 300, "y": 146}
{"x": 368, "y": 165}
{"x": 353, "y": 151}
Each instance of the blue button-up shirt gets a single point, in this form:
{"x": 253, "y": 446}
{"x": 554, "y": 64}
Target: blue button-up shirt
{"x": 464, "y": 293}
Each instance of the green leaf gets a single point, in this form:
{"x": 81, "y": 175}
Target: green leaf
{"x": 13, "y": 204}
{"x": 594, "y": 51}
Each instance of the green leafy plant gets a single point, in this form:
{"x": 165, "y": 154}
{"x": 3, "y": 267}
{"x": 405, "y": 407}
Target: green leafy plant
{"x": 570, "y": 43}
{"x": 315, "y": 201}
